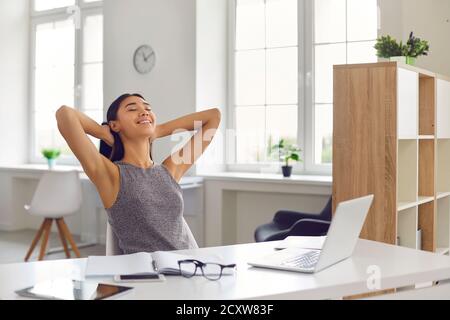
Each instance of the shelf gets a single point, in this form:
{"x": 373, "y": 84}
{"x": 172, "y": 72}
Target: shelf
{"x": 426, "y": 168}
{"x": 402, "y": 206}
{"x": 408, "y": 104}
{"x": 415, "y": 164}
{"x": 441, "y": 195}
{"x": 407, "y": 228}
{"x": 407, "y": 138}
{"x": 407, "y": 172}
{"x": 427, "y": 106}
{"x": 426, "y": 215}
{"x": 443, "y": 109}
{"x": 443, "y": 165}
{"x": 443, "y": 222}
{"x": 423, "y": 200}
{"x": 442, "y": 251}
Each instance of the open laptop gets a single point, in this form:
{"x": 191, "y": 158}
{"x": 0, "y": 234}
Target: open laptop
{"x": 342, "y": 237}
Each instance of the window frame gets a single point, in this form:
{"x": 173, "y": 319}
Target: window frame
{"x": 311, "y": 166}
{"x": 47, "y": 16}
{"x": 306, "y": 106}
{"x": 298, "y": 167}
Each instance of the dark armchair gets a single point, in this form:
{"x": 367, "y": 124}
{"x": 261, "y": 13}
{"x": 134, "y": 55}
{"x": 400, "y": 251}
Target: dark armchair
{"x": 291, "y": 223}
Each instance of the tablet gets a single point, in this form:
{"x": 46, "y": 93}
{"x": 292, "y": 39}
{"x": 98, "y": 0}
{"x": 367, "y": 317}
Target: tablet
{"x": 67, "y": 289}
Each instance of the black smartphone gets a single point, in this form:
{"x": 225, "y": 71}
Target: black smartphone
{"x": 139, "y": 278}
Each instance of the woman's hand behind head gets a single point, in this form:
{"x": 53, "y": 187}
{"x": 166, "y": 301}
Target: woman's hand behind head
{"x": 107, "y": 135}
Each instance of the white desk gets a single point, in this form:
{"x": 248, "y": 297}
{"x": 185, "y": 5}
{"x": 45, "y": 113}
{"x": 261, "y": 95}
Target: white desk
{"x": 399, "y": 267}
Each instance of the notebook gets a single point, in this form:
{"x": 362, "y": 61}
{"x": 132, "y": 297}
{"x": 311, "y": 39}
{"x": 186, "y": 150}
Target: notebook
{"x": 159, "y": 262}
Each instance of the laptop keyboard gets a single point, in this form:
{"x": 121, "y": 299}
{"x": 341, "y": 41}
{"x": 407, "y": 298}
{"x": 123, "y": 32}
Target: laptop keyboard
{"x": 304, "y": 261}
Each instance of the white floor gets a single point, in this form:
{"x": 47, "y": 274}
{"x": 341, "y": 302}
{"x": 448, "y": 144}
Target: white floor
{"x": 14, "y": 247}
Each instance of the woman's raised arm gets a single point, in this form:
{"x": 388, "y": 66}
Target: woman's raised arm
{"x": 74, "y": 127}
{"x": 180, "y": 161}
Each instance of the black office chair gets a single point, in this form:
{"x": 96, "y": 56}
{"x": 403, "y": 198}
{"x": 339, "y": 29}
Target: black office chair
{"x": 291, "y": 223}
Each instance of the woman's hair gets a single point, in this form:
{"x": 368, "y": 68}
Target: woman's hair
{"x": 117, "y": 151}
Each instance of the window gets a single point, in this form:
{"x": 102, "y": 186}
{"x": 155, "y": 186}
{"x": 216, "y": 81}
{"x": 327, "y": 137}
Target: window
{"x": 345, "y": 31}
{"x": 283, "y": 57}
{"x": 266, "y": 80}
{"x": 67, "y": 68}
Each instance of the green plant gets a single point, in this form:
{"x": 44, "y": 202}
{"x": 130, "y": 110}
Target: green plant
{"x": 387, "y": 47}
{"x": 51, "y": 153}
{"x": 286, "y": 152}
{"x": 416, "y": 47}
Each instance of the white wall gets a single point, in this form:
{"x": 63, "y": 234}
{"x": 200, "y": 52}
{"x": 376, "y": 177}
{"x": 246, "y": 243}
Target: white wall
{"x": 212, "y": 74}
{"x": 14, "y": 56}
{"x": 190, "y": 40}
{"x": 169, "y": 26}
{"x": 429, "y": 19}
{"x": 391, "y": 18}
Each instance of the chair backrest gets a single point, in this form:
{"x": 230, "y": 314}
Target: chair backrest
{"x": 326, "y": 213}
{"x": 112, "y": 244}
{"x": 58, "y": 194}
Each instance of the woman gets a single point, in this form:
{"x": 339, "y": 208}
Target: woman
{"x": 143, "y": 199}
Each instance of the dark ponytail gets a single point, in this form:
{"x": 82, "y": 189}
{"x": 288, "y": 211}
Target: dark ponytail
{"x": 105, "y": 149}
{"x": 117, "y": 151}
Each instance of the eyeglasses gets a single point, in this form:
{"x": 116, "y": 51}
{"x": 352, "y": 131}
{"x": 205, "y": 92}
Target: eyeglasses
{"x": 211, "y": 271}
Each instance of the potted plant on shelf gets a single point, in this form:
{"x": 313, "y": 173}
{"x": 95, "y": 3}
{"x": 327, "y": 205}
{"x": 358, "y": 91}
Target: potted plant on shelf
{"x": 287, "y": 152}
{"x": 387, "y": 47}
{"x": 415, "y": 47}
{"x": 51, "y": 155}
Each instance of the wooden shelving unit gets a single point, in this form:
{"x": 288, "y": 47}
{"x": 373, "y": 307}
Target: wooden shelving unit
{"x": 392, "y": 139}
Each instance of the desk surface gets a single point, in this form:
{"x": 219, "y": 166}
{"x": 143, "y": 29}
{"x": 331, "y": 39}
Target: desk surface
{"x": 398, "y": 267}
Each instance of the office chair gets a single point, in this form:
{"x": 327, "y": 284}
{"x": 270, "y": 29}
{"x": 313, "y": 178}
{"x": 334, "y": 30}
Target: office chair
{"x": 291, "y": 223}
{"x": 112, "y": 243}
{"x": 58, "y": 195}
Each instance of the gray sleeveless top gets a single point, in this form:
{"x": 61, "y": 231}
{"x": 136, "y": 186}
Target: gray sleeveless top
{"x": 148, "y": 213}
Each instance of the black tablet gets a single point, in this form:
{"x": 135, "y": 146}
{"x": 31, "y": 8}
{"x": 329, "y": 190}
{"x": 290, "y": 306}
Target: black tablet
{"x": 67, "y": 289}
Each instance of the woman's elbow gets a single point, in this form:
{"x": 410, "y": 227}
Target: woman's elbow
{"x": 63, "y": 110}
{"x": 217, "y": 114}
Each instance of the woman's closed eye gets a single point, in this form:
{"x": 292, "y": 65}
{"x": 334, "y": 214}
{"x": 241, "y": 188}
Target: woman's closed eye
{"x": 135, "y": 109}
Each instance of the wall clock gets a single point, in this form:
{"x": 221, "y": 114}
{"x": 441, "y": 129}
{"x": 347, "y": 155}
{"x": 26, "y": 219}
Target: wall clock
{"x": 144, "y": 59}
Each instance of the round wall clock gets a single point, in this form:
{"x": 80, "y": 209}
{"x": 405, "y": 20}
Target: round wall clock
{"x": 144, "y": 59}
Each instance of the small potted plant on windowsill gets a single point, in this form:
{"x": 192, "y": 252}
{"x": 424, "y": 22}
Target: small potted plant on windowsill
{"x": 387, "y": 47}
{"x": 286, "y": 153}
{"x": 51, "y": 155}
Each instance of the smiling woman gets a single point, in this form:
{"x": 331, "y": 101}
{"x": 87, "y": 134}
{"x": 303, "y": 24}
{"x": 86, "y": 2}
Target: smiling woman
{"x": 143, "y": 199}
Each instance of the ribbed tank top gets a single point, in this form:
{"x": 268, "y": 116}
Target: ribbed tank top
{"x": 147, "y": 215}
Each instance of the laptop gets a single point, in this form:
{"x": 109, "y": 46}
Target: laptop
{"x": 339, "y": 245}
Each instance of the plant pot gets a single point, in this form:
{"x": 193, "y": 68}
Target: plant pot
{"x": 411, "y": 61}
{"x": 404, "y": 59}
{"x": 401, "y": 59}
{"x": 287, "y": 171}
{"x": 51, "y": 163}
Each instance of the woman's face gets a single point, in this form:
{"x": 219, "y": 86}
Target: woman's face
{"x": 135, "y": 119}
